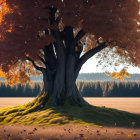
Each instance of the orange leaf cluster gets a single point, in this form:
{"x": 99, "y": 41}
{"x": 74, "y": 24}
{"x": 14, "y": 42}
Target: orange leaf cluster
{"x": 4, "y": 9}
{"x": 20, "y": 73}
{"x": 119, "y": 75}
{"x": 13, "y": 78}
{"x": 17, "y": 78}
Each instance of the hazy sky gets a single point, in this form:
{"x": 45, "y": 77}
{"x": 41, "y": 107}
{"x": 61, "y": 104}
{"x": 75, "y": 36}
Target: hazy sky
{"x": 90, "y": 67}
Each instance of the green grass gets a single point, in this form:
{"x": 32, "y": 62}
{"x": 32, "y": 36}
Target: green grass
{"x": 33, "y": 114}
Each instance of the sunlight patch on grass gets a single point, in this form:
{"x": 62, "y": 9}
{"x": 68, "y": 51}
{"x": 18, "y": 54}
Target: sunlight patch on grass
{"x": 33, "y": 114}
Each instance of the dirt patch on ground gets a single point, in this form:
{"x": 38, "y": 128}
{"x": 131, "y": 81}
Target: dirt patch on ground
{"x": 68, "y": 132}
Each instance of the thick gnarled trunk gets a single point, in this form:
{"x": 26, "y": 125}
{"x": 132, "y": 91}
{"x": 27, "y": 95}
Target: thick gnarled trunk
{"x": 61, "y": 88}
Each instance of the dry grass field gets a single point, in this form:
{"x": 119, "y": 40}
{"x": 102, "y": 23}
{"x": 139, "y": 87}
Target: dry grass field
{"x": 127, "y": 104}
{"x": 28, "y": 125}
{"x": 5, "y": 102}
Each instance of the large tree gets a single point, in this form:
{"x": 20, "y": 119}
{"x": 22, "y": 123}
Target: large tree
{"x": 59, "y": 36}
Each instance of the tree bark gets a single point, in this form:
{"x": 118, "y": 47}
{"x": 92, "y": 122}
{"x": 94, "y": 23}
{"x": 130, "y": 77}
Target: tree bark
{"x": 60, "y": 77}
{"x": 62, "y": 65}
{"x": 72, "y": 93}
{"x": 62, "y": 88}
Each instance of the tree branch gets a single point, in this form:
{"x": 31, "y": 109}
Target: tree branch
{"x": 88, "y": 55}
{"x": 49, "y": 55}
{"x": 14, "y": 63}
{"x": 80, "y": 34}
{"x": 42, "y": 60}
{"x": 78, "y": 49}
{"x": 52, "y": 15}
{"x": 59, "y": 46}
{"x": 68, "y": 36}
{"x": 37, "y": 67}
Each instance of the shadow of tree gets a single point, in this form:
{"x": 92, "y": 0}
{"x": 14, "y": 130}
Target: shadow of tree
{"x": 98, "y": 116}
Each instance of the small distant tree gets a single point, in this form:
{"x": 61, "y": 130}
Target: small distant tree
{"x": 57, "y": 37}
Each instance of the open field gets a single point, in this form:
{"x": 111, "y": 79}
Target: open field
{"x": 87, "y": 122}
{"x": 4, "y": 102}
{"x": 127, "y": 104}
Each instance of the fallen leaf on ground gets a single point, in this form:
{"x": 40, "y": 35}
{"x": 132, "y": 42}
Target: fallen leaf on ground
{"x": 129, "y": 136}
{"x": 81, "y": 135}
{"x": 85, "y": 138}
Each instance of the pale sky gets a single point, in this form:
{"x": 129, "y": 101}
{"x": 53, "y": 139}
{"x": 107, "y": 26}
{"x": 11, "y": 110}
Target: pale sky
{"x": 90, "y": 67}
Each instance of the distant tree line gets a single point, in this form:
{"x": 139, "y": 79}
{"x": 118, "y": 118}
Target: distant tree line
{"x": 103, "y": 77}
{"x": 20, "y": 90}
{"x": 87, "y": 89}
{"x": 109, "y": 89}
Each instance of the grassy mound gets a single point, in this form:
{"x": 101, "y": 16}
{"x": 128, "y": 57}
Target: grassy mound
{"x": 34, "y": 113}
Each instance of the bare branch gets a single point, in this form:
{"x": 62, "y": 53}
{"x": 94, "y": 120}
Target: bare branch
{"x": 88, "y": 55}
{"x": 37, "y": 67}
{"x": 49, "y": 55}
{"x": 80, "y": 34}
{"x": 14, "y": 63}
{"x": 68, "y": 36}
{"x": 42, "y": 60}
{"x": 78, "y": 49}
{"x": 59, "y": 46}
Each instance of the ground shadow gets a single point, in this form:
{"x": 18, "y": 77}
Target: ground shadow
{"x": 99, "y": 116}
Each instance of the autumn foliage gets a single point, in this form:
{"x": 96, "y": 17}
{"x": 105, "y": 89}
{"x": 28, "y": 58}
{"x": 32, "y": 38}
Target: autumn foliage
{"x": 119, "y": 75}
{"x": 27, "y": 27}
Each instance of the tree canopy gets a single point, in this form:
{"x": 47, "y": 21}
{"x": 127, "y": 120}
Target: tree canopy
{"x": 27, "y": 26}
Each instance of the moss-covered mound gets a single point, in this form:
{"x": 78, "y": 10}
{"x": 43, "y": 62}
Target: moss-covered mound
{"x": 36, "y": 114}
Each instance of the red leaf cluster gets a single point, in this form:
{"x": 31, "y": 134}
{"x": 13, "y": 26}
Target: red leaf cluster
{"x": 23, "y": 29}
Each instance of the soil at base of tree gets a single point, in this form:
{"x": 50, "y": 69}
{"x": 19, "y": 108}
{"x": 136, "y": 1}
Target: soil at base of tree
{"x": 67, "y": 132}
